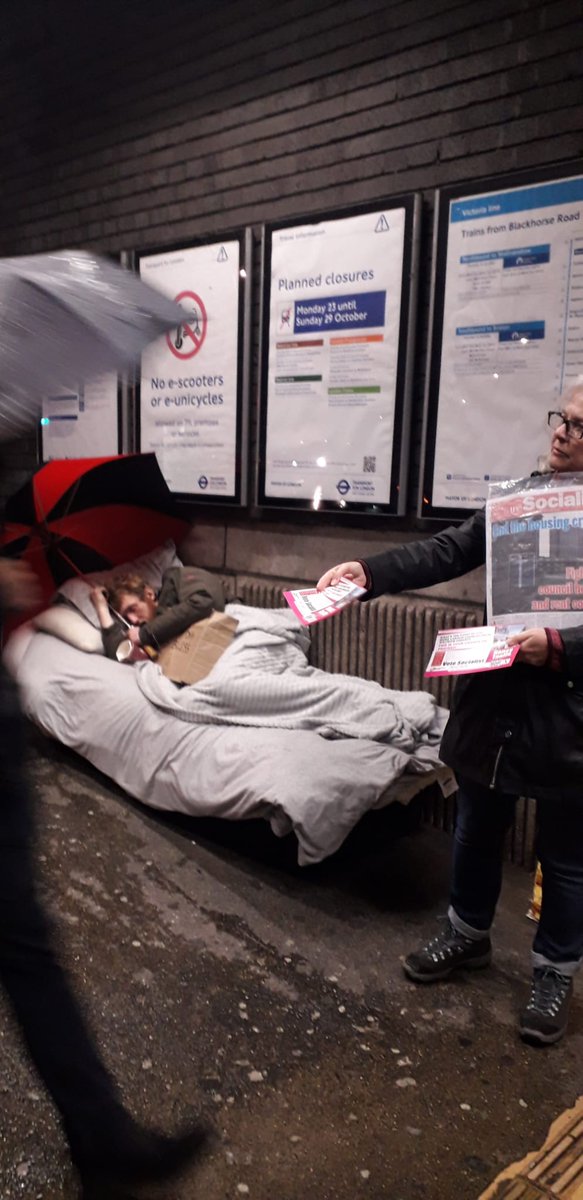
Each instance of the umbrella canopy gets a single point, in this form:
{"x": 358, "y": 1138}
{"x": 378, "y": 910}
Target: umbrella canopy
{"x": 89, "y": 514}
{"x": 65, "y": 317}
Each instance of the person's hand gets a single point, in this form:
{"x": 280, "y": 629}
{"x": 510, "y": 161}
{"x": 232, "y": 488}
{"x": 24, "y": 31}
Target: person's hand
{"x": 134, "y": 635}
{"x": 19, "y": 586}
{"x": 351, "y": 570}
{"x": 98, "y": 597}
{"x": 534, "y": 648}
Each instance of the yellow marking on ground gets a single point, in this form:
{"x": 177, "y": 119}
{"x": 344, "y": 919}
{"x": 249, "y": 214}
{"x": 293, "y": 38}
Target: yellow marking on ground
{"x": 555, "y": 1172}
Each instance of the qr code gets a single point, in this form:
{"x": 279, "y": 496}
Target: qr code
{"x": 369, "y": 464}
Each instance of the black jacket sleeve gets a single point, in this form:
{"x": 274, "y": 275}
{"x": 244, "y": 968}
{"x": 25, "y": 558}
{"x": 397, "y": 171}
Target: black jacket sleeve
{"x": 111, "y": 637}
{"x": 573, "y": 643}
{"x": 170, "y": 624}
{"x": 447, "y": 555}
{"x": 188, "y": 594}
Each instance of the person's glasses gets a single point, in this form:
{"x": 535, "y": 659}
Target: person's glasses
{"x": 573, "y": 429}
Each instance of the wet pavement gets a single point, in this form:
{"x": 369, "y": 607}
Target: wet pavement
{"x": 222, "y": 979}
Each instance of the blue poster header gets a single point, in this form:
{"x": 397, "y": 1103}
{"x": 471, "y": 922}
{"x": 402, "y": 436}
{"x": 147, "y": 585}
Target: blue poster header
{"x": 525, "y": 257}
{"x": 541, "y": 195}
{"x": 364, "y": 310}
{"x": 528, "y": 331}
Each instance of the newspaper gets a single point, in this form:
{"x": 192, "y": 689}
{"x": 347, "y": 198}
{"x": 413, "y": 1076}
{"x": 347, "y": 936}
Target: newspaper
{"x": 534, "y": 551}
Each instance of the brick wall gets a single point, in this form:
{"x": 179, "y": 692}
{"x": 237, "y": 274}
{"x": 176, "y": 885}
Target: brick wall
{"x": 126, "y": 125}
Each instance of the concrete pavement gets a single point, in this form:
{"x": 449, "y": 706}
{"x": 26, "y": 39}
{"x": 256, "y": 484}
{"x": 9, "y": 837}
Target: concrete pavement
{"x": 222, "y": 978}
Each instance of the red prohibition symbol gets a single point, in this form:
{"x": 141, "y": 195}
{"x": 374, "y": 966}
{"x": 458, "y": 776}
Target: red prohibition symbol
{"x": 187, "y": 340}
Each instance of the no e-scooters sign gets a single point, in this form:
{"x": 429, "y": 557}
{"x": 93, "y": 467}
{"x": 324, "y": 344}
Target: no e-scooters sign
{"x": 187, "y": 340}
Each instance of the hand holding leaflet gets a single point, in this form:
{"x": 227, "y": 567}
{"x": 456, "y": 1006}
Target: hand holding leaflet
{"x": 310, "y": 605}
{"x": 465, "y": 651}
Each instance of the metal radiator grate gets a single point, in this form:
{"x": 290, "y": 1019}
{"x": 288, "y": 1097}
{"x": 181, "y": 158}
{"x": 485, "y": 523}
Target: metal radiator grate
{"x": 388, "y": 640}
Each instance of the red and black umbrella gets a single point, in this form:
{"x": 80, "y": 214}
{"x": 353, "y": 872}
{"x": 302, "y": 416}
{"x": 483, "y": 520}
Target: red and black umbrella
{"x": 89, "y": 514}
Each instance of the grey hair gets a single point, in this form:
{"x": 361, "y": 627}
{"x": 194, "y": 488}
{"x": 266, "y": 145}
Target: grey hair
{"x": 565, "y": 398}
{"x": 572, "y": 391}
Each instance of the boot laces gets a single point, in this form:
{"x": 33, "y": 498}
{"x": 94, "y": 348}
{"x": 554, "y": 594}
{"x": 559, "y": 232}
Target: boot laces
{"x": 548, "y": 992}
{"x": 446, "y": 942}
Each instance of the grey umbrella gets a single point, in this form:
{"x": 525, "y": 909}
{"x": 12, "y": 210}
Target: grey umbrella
{"x": 65, "y": 317}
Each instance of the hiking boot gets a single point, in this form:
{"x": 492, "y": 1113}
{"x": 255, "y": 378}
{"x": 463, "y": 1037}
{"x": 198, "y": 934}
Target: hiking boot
{"x": 544, "y": 1020}
{"x": 448, "y": 951}
{"x": 141, "y": 1157}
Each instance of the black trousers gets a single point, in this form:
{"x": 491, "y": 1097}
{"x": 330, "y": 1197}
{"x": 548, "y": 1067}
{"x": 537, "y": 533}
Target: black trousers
{"x": 483, "y": 818}
{"x": 49, "y": 1016}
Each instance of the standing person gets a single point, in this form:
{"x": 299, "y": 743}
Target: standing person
{"x": 510, "y": 733}
{"x": 109, "y": 1148}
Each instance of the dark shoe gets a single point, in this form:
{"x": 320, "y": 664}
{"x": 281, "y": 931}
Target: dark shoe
{"x": 447, "y": 952}
{"x": 142, "y": 1158}
{"x": 544, "y": 1020}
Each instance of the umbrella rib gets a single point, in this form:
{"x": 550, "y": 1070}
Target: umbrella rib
{"x": 68, "y": 560}
{"x": 73, "y": 492}
{"x": 39, "y": 501}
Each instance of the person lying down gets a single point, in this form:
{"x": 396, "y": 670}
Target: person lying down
{"x": 131, "y": 610}
{"x": 263, "y": 679}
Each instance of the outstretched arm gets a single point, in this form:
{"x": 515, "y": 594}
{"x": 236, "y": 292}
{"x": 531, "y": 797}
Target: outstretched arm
{"x": 417, "y": 564}
{"x": 447, "y": 555}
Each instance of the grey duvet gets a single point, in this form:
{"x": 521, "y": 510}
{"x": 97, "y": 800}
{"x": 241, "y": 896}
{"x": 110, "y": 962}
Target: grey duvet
{"x": 264, "y": 735}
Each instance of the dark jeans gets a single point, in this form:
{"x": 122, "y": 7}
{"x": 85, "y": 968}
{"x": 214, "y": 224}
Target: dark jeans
{"x": 40, "y": 995}
{"x": 483, "y": 818}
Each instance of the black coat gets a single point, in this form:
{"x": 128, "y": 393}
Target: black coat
{"x": 519, "y": 730}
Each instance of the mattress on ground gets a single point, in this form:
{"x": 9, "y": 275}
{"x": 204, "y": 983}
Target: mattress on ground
{"x": 296, "y": 779}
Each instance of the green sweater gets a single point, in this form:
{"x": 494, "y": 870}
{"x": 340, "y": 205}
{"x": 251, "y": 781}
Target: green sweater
{"x": 187, "y": 595}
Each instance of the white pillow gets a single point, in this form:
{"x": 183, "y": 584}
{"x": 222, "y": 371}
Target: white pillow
{"x": 150, "y": 566}
{"x": 71, "y": 627}
{"x": 16, "y": 647}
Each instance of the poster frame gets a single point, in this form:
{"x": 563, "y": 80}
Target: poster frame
{"x": 244, "y": 235}
{"x": 411, "y": 203}
{"x": 470, "y": 190}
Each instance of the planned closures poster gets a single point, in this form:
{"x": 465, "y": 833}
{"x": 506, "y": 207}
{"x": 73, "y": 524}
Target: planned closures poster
{"x": 331, "y": 360}
{"x": 190, "y": 381}
{"x": 508, "y": 336}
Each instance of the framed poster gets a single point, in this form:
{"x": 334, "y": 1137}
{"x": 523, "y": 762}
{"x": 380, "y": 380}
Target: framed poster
{"x": 193, "y": 392}
{"x": 85, "y": 423}
{"x": 506, "y": 332}
{"x": 337, "y": 333}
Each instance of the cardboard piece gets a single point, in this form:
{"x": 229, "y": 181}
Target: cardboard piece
{"x": 551, "y": 1173}
{"x": 190, "y": 657}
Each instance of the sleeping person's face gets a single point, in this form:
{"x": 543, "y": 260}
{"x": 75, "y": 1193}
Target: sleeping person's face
{"x": 137, "y": 610}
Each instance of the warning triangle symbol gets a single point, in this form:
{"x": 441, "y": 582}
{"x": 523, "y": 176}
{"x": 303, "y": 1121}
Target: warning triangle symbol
{"x": 382, "y": 224}
{"x": 222, "y": 256}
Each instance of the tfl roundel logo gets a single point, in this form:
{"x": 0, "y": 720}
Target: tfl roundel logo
{"x": 343, "y": 487}
{"x": 203, "y": 482}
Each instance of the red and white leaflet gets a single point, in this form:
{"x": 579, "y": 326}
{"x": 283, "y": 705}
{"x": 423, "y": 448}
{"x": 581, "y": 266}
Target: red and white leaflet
{"x": 310, "y": 605}
{"x": 466, "y": 651}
